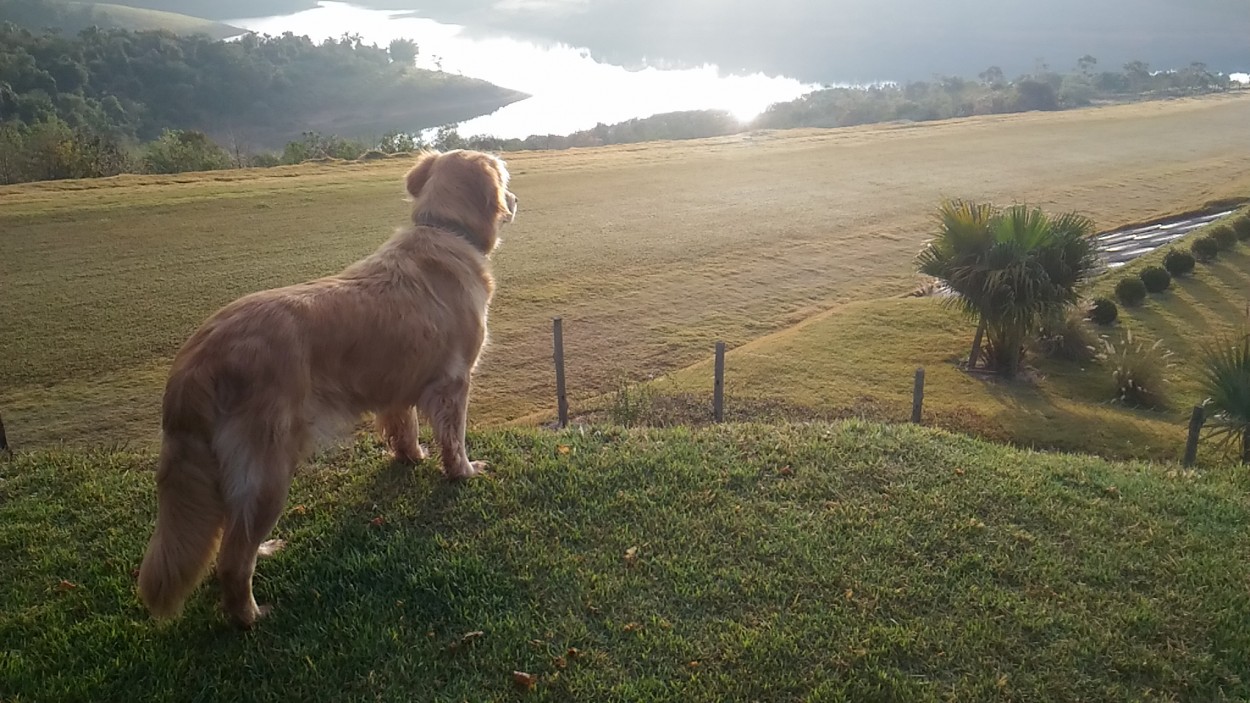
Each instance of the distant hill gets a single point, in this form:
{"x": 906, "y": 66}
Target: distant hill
{"x": 71, "y": 17}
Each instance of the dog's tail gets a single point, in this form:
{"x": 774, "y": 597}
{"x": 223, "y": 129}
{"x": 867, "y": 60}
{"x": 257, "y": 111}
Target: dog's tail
{"x": 188, "y": 526}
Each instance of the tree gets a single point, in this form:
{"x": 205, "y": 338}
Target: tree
{"x": 1035, "y": 95}
{"x": 993, "y": 77}
{"x": 177, "y": 151}
{"x": 1086, "y": 64}
{"x": 1226, "y": 383}
{"x": 1012, "y": 269}
{"x": 403, "y": 51}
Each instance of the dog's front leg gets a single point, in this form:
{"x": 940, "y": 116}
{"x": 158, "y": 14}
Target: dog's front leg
{"x": 447, "y": 405}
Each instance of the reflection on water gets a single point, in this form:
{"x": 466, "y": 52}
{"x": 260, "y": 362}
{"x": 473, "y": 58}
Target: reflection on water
{"x": 570, "y": 90}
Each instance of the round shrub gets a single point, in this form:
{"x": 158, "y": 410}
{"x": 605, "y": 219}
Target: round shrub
{"x": 1130, "y": 290}
{"x": 1178, "y": 263}
{"x": 1156, "y": 278}
{"x": 1224, "y": 237}
{"x": 1205, "y": 248}
{"x": 1242, "y": 227}
{"x": 1103, "y": 311}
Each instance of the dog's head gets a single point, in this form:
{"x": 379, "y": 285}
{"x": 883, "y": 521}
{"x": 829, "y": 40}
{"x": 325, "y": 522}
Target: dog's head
{"x": 465, "y": 189}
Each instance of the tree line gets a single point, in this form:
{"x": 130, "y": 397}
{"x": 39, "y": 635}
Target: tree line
{"x": 108, "y": 101}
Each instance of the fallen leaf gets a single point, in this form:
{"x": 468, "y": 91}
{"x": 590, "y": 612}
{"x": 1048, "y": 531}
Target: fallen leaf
{"x": 693, "y": 664}
{"x": 573, "y": 653}
{"x": 1002, "y": 681}
{"x": 560, "y": 662}
{"x": 564, "y": 449}
{"x": 523, "y": 681}
{"x": 632, "y": 627}
{"x": 959, "y": 472}
{"x": 786, "y": 471}
{"x": 850, "y": 595}
{"x": 465, "y": 640}
{"x": 378, "y": 521}
{"x": 299, "y": 510}
{"x": 631, "y": 556}
{"x": 66, "y": 585}
{"x": 1113, "y": 491}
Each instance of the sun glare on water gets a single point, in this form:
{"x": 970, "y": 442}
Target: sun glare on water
{"x": 571, "y": 90}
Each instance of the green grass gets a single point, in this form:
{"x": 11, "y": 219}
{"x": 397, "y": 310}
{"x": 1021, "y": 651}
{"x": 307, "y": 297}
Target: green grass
{"x": 649, "y": 252}
{"x": 849, "y": 561}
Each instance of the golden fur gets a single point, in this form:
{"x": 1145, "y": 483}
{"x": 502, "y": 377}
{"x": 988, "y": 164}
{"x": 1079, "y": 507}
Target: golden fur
{"x": 269, "y": 376}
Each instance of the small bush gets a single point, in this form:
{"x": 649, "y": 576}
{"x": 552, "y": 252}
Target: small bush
{"x": 1139, "y": 372}
{"x": 1103, "y": 311}
{"x": 1242, "y": 227}
{"x": 1156, "y": 279}
{"x": 1130, "y": 290}
{"x": 1068, "y": 337}
{"x": 1205, "y": 248}
{"x": 1178, "y": 263}
{"x": 1224, "y": 236}
{"x": 631, "y": 404}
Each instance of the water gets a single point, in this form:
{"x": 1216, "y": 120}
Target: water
{"x": 570, "y": 90}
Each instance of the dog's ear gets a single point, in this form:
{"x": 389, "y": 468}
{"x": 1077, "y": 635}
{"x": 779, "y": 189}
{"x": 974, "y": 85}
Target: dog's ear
{"x": 494, "y": 184}
{"x": 420, "y": 173}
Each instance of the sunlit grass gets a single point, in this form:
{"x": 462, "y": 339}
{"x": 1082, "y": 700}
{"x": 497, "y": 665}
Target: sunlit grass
{"x": 826, "y": 562}
{"x": 650, "y": 252}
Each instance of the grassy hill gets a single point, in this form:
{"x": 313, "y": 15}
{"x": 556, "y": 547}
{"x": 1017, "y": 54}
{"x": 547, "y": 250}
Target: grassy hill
{"x": 650, "y": 252}
{"x": 71, "y": 16}
{"x": 849, "y": 561}
{"x": 858, "y": 360}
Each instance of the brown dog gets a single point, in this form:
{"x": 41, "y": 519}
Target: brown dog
{"x": 271, "y": 375}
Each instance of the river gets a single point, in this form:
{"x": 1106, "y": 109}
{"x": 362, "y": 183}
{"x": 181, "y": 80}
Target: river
{"x": 571, "y": 91}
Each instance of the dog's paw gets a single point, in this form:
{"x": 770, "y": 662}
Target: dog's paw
{"x": 270, "y": 548}
{"x": 469, "y": 470}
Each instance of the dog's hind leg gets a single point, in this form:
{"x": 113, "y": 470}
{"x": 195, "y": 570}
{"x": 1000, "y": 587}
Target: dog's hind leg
{"x": 399, "y": 430}
{"x": 254, "y": 501}
{"x": 446, "y": 403}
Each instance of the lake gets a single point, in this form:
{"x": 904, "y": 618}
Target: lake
{"x": 571, "y": 91}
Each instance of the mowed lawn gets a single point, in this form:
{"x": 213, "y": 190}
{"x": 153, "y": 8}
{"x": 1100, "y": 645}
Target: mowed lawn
{"x": 844, "y": 562}
{"x": 650, "y": 252}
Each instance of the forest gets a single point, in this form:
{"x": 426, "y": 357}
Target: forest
{"x": 78, "y": 105}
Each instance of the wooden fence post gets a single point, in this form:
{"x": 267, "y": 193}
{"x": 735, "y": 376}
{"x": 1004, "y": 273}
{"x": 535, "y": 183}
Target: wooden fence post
{"x": 562, "y": 400}
{"x": 718, "y": 389}
{"x": 917, "y": 396}
{"x": 4, "y": 440}
{"x": 1195, "y": 428}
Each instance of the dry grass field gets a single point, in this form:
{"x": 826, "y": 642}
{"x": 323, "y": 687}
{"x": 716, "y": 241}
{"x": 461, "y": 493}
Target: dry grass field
{"x": 650, "y": 252}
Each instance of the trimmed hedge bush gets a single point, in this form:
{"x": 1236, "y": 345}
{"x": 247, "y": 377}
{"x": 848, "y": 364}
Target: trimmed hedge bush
{"x": 1205, "y": 248}
{"x": 1130, "y": 290}
{"x": 1178, "y": 263}
{"x": 1242, "y": 227}
{"x": 1224, "y": 237}
{"x": 1156, "y": 278}
{"x": 1103, "y": 311}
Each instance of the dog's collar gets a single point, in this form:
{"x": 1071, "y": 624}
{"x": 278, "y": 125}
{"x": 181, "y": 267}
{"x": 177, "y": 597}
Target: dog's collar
{"x": 447, "y": 226}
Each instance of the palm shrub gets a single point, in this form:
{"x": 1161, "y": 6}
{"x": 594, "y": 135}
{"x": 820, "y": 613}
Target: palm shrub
{"x": 1130, "y": 290}
{"x": 1011, "y": 268}
{"x": 1155, "y": 278}
{"x": 1226, "y": 385}
{"x": 1178, "y": 263}
{"x": 1139, "y": 372}
{"x": 1103, "y": 311}
{"x": 1242, "y": 226}
{"x": 1205, "y": 248}
{"x": 1224, "y": 236}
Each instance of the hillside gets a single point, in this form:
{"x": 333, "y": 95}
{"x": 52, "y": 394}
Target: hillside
{"x": 71, "y": 17}
{"x": 822, "y": 562}
{"x": 651, "y": 253}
